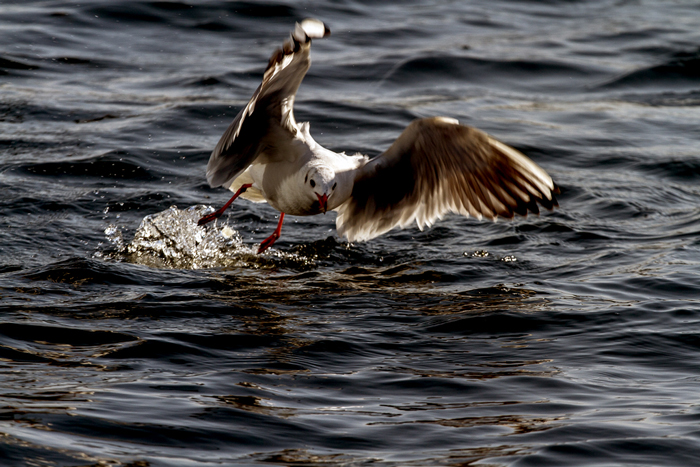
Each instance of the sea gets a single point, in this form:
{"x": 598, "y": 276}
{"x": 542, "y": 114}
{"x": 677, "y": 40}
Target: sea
{"x": 130, "y": 336}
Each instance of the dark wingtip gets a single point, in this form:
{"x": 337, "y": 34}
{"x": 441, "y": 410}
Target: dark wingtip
{"x": 548, "y": 204}
{"x": 553, "y": 203}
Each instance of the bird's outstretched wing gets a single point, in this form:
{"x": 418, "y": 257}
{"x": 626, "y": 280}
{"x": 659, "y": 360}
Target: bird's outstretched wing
{"x": 438, "y": 166}
{"x": 268, "y": 120}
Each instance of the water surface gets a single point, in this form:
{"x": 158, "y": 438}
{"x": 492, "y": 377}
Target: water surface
{"x": 128, "y": 336}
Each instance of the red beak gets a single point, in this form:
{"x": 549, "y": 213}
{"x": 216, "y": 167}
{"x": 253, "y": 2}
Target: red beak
{"x": 323, "y": 201}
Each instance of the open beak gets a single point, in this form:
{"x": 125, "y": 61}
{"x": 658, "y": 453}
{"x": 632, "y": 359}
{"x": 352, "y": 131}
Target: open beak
{"x": 323, "y": 202}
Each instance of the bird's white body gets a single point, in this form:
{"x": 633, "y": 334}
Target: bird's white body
{"x": 434, "y": 167}
{"x": 281, "y": 184}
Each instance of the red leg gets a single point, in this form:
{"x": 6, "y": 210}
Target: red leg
{"x": 267, "y": 243}
{"x": 217, "y": 214}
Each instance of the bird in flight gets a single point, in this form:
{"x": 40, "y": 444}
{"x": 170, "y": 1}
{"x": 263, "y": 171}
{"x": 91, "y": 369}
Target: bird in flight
{"x": 435, "y": 166}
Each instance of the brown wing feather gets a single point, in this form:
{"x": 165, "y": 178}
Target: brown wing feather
{"x": 267, "y": 121}
{"x": 438, "y": 166}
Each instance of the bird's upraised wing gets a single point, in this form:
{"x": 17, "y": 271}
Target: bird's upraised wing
{"x": 438, "y": 166}
{"x": 268, "y": 119}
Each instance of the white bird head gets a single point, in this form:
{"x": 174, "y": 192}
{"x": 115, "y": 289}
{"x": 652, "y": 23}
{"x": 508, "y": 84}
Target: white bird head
{"x": 320, "y": 183}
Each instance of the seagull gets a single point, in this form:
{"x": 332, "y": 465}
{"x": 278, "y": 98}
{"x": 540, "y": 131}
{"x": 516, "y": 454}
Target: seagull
{"x": 435, "y": 166}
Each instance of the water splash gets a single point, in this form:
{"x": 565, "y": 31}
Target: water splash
{"x": 172, "y": 239}
{"x": 477, "y": 254}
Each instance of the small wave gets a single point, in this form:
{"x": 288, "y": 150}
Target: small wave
{"x": 682, "y": 68}
{"x": 682, "y": 170}
{"x": 206, "y": 81}
{"x": 73, "y": 61}
{"x": 68, "y": 64}
{"x": 81, "y": 272}
{"x": 499, "y": 323}
{"x": 445, "y": 67}
{"x": 114, "y": 164}
{"x": 262, "y": 10}
{"x": 6, "y": 65}
{"x": 665, "y": 99}
{"x": 21, "y": 111}
{"x": 181, "y": 12}
{"x": 215, "y": 26}
{"x": 61, "y": 335}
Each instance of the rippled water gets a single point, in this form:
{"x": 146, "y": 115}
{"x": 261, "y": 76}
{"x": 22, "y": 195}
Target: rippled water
{"x": 129, "y": 336}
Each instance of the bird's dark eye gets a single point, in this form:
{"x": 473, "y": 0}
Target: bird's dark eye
{"x": 334, "y": 185}
{"x": 312, "y": 183}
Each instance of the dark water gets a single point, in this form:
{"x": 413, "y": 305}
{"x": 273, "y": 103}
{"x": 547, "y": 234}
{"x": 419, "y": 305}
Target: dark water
{"x": 572, "y": 338}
